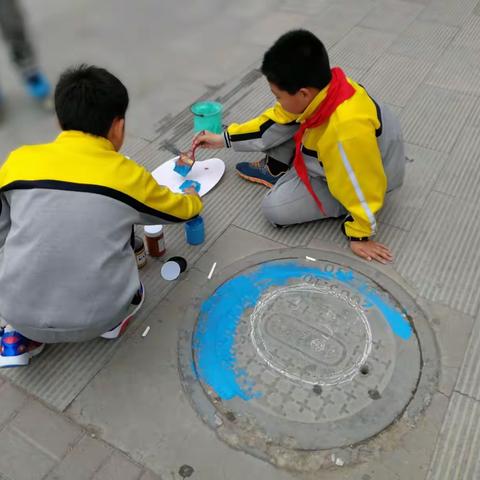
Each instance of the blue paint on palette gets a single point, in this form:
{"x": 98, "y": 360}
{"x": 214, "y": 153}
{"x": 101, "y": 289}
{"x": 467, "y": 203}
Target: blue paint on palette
{"x": 214, "y": 340}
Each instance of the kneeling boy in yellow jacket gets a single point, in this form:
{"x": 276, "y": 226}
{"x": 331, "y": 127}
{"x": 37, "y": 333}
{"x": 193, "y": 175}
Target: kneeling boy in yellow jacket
{"x": 331, "y": 150}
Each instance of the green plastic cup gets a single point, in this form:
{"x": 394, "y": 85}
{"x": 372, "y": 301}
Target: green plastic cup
{"x": 207, "y": 116}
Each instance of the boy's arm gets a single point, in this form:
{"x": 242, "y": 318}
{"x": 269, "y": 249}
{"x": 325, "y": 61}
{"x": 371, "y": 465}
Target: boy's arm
{"x": 273, "y": 127}
{"x": 356, "y": 178}
{"x": 4, "y": 220}
{"x": 157, "y": 204}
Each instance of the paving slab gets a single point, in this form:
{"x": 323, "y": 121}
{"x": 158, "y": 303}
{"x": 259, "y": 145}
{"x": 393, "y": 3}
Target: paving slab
{"x": 361, "y": 48}
{"x": 424, "y": 40}
{"x": 37, "y": 423}
{"x": 117, "y": 467}
{"x": 394, "y": 79}
{"x": 455, "y": 454}
{"x": 392, "y": 16}
{"x": 451, "y": 13}
{"x": 424, "y": 168}
{"x": 22, "y": 460}
{"x": 458, "y": 70}
{"x": 429, "y": 258}
{"x": 469, "y": 35}
{"x": 449, "y": 108}
{"x": 469, "y": 377}
{"x": 82, "y": 462}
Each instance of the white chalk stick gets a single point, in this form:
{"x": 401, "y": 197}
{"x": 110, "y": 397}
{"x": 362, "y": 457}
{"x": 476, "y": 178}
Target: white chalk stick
{"x": 145, "y": 332}
{"x": 212, "y": 270}
{"x": 311, "y": 259}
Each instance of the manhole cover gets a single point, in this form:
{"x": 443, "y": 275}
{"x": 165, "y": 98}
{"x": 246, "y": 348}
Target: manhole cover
{"x": 305, "y": 355}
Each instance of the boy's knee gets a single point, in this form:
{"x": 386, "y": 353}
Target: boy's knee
{"x": 273, "y": 211}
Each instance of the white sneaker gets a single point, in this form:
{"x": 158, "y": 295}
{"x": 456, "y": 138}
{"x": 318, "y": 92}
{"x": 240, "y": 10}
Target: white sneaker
{"x": 137, "y": 303}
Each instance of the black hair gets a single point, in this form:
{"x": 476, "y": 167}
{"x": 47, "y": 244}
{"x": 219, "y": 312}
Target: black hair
{"x": 298, "y": 59}
{"x": 89, "y": 98}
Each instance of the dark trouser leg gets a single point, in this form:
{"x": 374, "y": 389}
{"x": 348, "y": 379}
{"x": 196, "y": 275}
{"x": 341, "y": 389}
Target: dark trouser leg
{"x": 280, "y": 158}
{"x": 13, "y": 28}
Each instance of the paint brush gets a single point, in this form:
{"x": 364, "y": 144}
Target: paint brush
{"x": 185, "y": 160}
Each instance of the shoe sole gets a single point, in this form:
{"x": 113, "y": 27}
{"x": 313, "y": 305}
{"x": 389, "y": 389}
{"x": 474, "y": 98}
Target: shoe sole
{"x": 120, "y": 329}
{"x": 255, "y": 180}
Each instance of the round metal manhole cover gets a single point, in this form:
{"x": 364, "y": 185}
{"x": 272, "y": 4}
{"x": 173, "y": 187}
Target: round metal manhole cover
{"x": 306, "y": 355}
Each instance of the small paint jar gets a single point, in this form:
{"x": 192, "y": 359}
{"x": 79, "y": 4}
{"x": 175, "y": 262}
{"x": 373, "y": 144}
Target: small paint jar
{"x": 155, "y": 240}
{"x": 140, "y": 254}
{"x": 195, "y": 231}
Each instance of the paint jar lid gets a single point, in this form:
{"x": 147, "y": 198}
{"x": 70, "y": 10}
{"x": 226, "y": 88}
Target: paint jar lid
{"x": 170, "y": 270}
{"x": 153, "y": 230}
{"x": 173, "y": 267}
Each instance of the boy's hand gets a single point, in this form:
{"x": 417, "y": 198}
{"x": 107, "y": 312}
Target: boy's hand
{"x": 191, "y": 191}
{"x": 208, "y": 140}
{"x": 371, "y": 250}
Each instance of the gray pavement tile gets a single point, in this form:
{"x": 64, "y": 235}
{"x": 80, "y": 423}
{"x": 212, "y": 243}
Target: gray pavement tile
{"x": 20, "y": 459}
{"x": 133, "y": 144}
{"x": 460, "y": 176}
{"x": 446, "y": 11}
{"x": 437, "y": 254}
{"x": 37, "y": 423}
{"x": 468, "y": 382}
{"x": 458, "y": 69}
{"x": 434, "y": 117}
{"x": 392, "y": 16}
{"x": 334, "y": 21}
{"x": 11, "y": 401}
{"x": 394, "y": 79}
{"x": 82, "y": 462}
{"x": 234, "y": 244}
{"x": 158, "y": 426}
{"x": 453, "y": 331}
{"x": 424, "y": 40}
{"x": 118, "y": 467}
{"x": 456, "y": 453}
{"x": 361, "y": 48}
{"x": 62, "y": 370}
{"x": 149, "y": 476}
{"x": 403, "y": 205}
{"x": 469, "y": 34}
{"x": 266, "y": 30}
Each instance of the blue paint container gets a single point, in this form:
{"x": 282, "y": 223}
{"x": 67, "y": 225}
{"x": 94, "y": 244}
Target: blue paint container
{"x": 195, "y": 231}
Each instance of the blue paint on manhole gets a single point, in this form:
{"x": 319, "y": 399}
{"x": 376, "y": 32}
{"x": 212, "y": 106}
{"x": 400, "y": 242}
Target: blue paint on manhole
{"x": 215, "y": 339}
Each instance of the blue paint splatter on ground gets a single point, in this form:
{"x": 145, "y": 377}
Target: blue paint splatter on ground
{"x": 220, "y": 314}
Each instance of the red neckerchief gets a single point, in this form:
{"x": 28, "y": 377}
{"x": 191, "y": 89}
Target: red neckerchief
{"x": 338, "y": 91}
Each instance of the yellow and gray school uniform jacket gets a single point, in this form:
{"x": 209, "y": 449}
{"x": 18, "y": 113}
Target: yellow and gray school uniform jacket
{"x": 67, "y": 270}
{"x": 352, "y": 151}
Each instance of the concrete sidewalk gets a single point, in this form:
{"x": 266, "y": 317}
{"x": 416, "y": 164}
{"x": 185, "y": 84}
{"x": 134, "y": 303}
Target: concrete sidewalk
{"x": 118, "y": 410}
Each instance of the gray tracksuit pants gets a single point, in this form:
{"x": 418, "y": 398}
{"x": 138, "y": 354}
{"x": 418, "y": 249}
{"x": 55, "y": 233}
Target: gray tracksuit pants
{"x": 289, "y": 202}
{"x": 14, "y": 32}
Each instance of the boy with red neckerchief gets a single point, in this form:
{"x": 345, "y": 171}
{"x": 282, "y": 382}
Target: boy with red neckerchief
{"x": 331, "y": 150}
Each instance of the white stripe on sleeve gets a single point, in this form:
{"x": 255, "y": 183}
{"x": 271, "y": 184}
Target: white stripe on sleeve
{"x": 358, "y": 190}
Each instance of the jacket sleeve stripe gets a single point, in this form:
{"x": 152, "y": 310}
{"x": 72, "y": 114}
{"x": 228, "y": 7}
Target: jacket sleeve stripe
{"x": 96, "y": 189}
{"x": 358, "y": 190}
{"x": 238, "y": 137}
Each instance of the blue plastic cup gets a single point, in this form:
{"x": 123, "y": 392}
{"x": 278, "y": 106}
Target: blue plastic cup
{"x": 207, "y": 116}
{"x": 195, "y": 231}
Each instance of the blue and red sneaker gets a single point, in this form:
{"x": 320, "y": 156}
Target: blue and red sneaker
{"x": 135, "y": 306}
{"x": 16, "y": 350}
